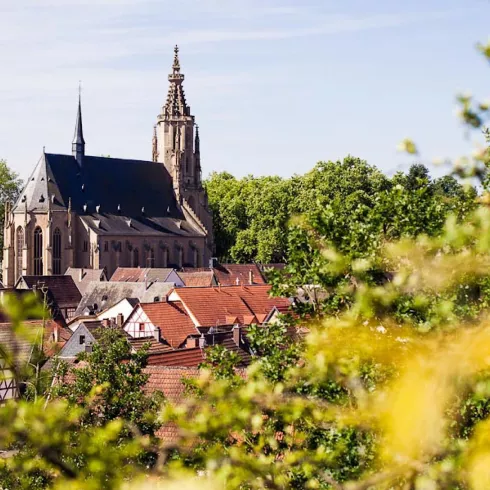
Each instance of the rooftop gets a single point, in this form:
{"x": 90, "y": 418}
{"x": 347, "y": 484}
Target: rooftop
{"x": 175, "y": 325}
{"x": 229, "y": 305}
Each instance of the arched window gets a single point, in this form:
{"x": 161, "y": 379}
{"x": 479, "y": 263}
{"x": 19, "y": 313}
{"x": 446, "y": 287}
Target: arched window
{"x": 180, "y": 256}
{"x": 163, "y": 257}
{"x": 150, "y": 258}
{"x": 57, "y": 251}
{"x": 38, "y": 251}
{"x": 136, "y": 258}
{"x": 19, "y": 247}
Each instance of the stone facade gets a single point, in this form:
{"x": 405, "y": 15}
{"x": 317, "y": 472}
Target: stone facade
{"x": 94, "y": 212}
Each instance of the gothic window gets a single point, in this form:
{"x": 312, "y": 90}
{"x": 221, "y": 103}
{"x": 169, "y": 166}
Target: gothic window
{"x": 106, "y": 246}
{"x": 150, "y": 258}
{"x": 187, "y": 169}
{"x": 85, "y": 246}
{"x": 57, "y": 252}
{"x": 19, "y": 246}
{"x": 180, "y": 257}
{"x": 136, "y": 258}
{"x": 38, "y": 251}
{"x": 192, "y": 202}
{"x": 164, "y": 257}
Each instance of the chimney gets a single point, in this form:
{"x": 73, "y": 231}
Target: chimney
{"x": 106, "y": 322}
{"x": 192, "y": 342}
{"x": 250, "y": 277}
{"x": 120, "y": 320}
{"x": 56, "y": 333}
{"x": 157, "y": 333}
{"x": 81, "y": 274}
{"x": 213, "y": 261}
{"x": 236, "y": 334}
{"x": 202, "y": 341}
{"x": 146, "y": 280}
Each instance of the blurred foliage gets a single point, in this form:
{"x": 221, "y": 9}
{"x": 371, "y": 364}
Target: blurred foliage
{"x": 10, "y": 188}
{"x": 381, "y": 380}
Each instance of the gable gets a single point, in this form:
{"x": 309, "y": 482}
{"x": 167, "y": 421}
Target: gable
{"x": 73, "y": 346}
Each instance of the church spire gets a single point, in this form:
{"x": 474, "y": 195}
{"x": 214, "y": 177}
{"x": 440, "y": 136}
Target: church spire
{"x": 197, "y": 142}
{"x": 176, "y": 104}
{"x": 78, "y": 144}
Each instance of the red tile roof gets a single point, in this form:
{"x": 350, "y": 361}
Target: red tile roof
{"x": 190, "y": 357}
{"x": 137, "y": 274}
{"x": 175, "y": 325}
{"x": 155, "y": 346}
{"x": 230, "y": 274}
{"x": 230, "y": 304}
{"x": 33, "y": 329}
{"x": 201, "y": 278}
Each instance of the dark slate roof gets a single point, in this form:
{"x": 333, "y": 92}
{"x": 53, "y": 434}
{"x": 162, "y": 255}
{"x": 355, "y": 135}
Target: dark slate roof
{"x": 106, "y": 294}
{"x": 62, "y": 289}
{"x": 134, "y": 196}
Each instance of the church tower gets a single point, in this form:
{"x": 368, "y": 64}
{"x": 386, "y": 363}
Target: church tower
{"x": 176, "y": 144}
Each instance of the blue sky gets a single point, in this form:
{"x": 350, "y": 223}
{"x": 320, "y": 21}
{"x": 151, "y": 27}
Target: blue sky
{"x": 275, "y": 85}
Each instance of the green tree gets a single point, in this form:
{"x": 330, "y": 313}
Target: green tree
{"x": 10, "y": 187}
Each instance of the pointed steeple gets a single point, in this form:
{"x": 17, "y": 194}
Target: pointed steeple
{"x": 197, "y": 142}
{"x": 155, "y": 145}
{"x": 176, "y": 104}
{"x": 78, "y": 144}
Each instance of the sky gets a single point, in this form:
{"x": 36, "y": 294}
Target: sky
{"x": 275, "y": 85}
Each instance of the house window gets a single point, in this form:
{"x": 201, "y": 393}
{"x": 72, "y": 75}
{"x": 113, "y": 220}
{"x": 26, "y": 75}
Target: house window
{"x": 18, "y": 251}
{"x": 38, "y": 251}
{"x": 142, "y": 327}
{"x": 70, "y": 312}
{"x": 85, "y": 246}
{"x": 106, "y": 246}
{"x": 81, "y": 339}
{"x": 57, "y": 252}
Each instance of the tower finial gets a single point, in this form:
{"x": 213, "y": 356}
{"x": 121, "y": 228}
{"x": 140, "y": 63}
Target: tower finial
{"x": 197, "y": 142}
{"x": 155, "y": 145}
{"x": 176, "y": 65}
{"x": 78, "y": 144}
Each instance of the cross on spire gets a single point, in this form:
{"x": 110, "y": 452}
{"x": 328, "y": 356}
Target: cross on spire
{"x": 176, "y": 65}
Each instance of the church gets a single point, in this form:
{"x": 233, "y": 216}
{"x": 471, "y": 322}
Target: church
{"x": 95, "y": 212}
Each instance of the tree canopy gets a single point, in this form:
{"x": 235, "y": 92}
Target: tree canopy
{"x": 359, "y": 206}
{"x": 10, "y": 187}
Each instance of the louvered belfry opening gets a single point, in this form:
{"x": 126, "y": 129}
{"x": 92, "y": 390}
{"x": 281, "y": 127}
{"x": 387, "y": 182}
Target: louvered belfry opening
{"x": 57, "y": 252}
{"x": 19, "y": 246}
{"x": 38, "y": 252}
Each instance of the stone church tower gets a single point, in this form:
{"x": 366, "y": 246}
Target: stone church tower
{"x": 83, "y": 211}
{"x": 176, "y": 144}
